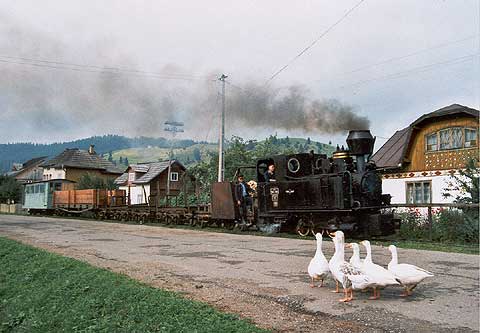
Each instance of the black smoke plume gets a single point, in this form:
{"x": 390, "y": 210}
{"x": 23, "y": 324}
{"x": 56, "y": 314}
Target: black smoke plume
{"x": 49, "y": 101}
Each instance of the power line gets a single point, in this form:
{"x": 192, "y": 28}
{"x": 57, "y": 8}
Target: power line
{"x": 96, "y": 69}
{"x": 314, "y": 42}
{"x": 434, "y": 47}
{"x": 412, "y": 70}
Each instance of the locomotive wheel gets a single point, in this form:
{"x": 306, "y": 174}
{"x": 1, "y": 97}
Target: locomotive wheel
{"x": 303, "y": 229}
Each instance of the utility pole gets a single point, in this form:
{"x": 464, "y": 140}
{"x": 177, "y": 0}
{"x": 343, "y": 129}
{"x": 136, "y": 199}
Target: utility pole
{"x": 173, "y": 127}
{"x": 221, "y": 161}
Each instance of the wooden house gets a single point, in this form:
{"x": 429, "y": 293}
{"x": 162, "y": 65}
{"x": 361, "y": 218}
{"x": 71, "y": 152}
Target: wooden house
{"x": 420, "y": 159}
{"x": 148, "y": 181}
{"x": 74, "y": 163}
{"x": 29, "y": 171}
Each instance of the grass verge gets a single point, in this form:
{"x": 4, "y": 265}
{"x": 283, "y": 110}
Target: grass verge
{"x": 45, "y": 292}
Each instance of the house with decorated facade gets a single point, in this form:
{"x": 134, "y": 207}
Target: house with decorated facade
{"x": 420, "y": 159}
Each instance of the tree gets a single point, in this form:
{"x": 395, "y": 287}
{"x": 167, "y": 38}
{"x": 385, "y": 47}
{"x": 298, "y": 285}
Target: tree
{"x": 309, "y": 141}
{"x": 197, "y": 156}
{"x": 120, "y": 160}
{"x": 90, "y": 181}
{"x": 464, "y": 189}
{"x": 126, "y": 161}
{"x": 10, "y": 189}
{"x": 110, "y": 157}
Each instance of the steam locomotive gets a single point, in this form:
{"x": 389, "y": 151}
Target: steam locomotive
{"x": 313, "y": 192}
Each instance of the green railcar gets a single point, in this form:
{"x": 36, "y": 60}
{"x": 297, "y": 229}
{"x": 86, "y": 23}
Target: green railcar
{"x": 38, "y": 196}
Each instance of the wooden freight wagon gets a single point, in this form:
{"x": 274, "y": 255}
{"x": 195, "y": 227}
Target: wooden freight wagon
{"x": 91, "y": 199}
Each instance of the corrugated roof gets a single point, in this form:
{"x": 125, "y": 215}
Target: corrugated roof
{"x": 82, "y": 159}
{"x": 149, "y": 170}
{"x": 393, "y": 152}
{"x": 142, "y": 168}
{"x": 154, "y": 170}
{"x": 122, "y": 179}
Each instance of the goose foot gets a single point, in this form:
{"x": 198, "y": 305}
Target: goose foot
{"x": 321, "y": 284}
{"x": 376, "y": 294}
{"x": 346, "y": 298}
{"x": 337, "y": 289}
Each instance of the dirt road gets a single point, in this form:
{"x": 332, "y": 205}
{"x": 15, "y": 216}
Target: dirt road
{"x": 263, "y": 278}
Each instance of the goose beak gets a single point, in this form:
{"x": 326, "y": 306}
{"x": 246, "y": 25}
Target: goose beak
{"x": 348, "y": 246}
{"x": 331, "y": 234}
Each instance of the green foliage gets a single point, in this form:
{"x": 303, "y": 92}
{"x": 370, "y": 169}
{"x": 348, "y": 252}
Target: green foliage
{"x": 10, "y": 189}
{"x": 89, "y": 181}
{"x": 464, "y": 188}
{"x": 196, "y": 154}
{"x": 44, "y": 292}
{"x": 448, "y": 225}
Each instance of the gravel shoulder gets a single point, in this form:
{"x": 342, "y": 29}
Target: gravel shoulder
{"x": 262, "y": 278}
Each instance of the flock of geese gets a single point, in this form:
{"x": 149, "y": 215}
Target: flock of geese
{"x": 358, "y": 274}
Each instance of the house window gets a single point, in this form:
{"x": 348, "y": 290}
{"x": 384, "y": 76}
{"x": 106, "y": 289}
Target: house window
{"x": 457, "y": 137}
{"x": 419, "y": 192}
{"x": 131, "y": 176}
{"x": 470, "y": 137}
{"x": 432, "y": 142}
{"x": 445, "y": 139}
{"x": 174, "y": 176}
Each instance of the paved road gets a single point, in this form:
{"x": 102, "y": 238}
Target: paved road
{"x": 263, "y": 278}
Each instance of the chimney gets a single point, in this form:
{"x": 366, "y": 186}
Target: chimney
{"x": 91, "y": 150}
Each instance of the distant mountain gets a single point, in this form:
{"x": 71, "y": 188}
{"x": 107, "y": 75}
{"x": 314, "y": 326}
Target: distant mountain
{"x": 20, "y": 152}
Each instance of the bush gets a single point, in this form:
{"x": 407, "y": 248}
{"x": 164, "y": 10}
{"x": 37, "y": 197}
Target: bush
{"x": 448, "y": 225}
{"x": 455, "y": 225}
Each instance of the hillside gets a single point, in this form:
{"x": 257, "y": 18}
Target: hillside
{"x": 123, "y": 150}
{"x": 192, "y": 154}
{"x": 186, "y": 155}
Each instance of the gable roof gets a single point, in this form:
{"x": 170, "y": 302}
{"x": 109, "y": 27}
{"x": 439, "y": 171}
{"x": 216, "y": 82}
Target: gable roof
{"x": 150, "y": 171}
{"x": 394, "y": 151}
{"x": 82, "y": 159}
{"x": 34, "y": 161}
{"x": 26, "y": 165}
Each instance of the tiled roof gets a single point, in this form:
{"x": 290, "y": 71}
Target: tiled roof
{"x": 82, "y": 159}
{"x": 393, "y": 152}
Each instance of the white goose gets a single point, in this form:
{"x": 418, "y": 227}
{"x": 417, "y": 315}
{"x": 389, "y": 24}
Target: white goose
{"x": 379, "y": 275}
{"x": 355, "y": 259}
{"x": 318, "y": 267}
{"x": 408, "y": 275}
{"x": 343, "y": 272}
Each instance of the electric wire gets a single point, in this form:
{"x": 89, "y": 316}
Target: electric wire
{"x": 99, "y": 69}
{"x": 314, "y": 42}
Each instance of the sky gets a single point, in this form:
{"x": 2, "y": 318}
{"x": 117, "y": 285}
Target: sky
{"x": 385, "y": 64}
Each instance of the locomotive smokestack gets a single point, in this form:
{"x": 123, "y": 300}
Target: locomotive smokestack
{"x": 360, "y": 144}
